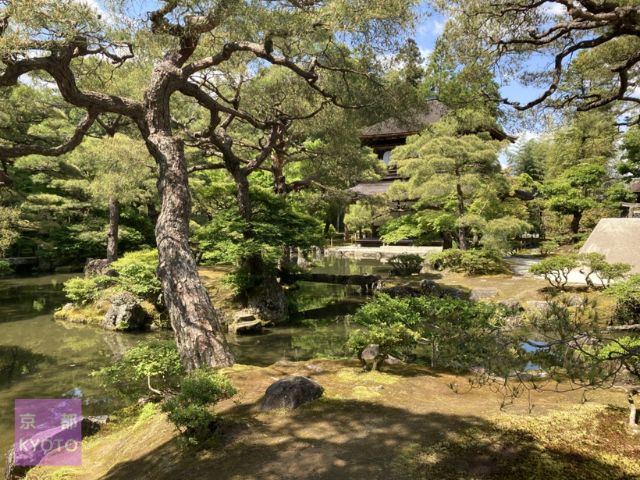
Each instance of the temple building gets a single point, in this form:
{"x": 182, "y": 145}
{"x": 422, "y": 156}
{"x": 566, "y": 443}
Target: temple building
{"x": 384, "y": 136}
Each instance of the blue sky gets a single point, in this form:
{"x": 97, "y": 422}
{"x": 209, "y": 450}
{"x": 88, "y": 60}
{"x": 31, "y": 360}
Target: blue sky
{"x": 428, "y": 31}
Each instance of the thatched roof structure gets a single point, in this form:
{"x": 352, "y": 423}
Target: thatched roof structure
{"x": 409, "y": 125}
{"x": 616, "y": 239}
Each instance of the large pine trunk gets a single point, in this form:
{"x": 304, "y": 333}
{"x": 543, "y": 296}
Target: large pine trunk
{"x": 196, "y": 324}
{"x": 575, "y": 222}
{"x": 114, "y": 225}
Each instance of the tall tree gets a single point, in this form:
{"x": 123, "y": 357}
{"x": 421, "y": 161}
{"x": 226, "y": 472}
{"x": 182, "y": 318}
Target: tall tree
{"x": 446, "y": 163}
{"x": 586, "y": 137}
{"x": 184, "y": 46}
{"x": 575, "y": 191}
{"x": 411, "y": 63}
{"x": 530, "y": 158}
{"x": 113, "y": 171}
{"x": 630, "y": 162}
{"x": 592, "y": 45}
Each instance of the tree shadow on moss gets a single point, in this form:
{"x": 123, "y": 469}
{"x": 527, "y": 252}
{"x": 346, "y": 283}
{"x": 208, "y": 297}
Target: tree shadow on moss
{"x": 338, "y": 439}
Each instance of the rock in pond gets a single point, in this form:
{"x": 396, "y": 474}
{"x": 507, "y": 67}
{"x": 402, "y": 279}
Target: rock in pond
{"x": 290, "y": 392}
{"x": 247, "y": 327}
{"x": 93, "y": 424}
{"x": 126, "y": 314}
{"x": 13, "y": 471}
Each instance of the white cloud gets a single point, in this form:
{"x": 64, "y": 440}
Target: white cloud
{"x": 522, "y": 138}
{"x": 92, "y": 4}
{"x": 438, "y": 26}
{"x": 426, "y": 53}
{"x": 554, "y": 9}
{"x": 433, "y": 27}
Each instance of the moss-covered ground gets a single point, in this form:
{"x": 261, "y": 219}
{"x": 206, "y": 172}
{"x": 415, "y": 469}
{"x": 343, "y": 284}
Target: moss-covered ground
{"x": 404, "y": 423}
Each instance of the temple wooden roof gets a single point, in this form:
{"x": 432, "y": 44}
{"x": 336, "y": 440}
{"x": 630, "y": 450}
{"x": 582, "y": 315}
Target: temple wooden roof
{"x": 403, "y": 127}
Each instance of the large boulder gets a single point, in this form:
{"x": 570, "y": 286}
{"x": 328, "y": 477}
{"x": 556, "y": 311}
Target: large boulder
{"x": 126, "y": 314}
{"x": 93, "y": 424}
{"x": 429, "y": 287}
{"x": 99, "y": 266}
{"x": 269, "y": 300}
{"x": 290, "y": 392}
{"x": 246, "y": 327}
{"x": 537, "y": 306}
{"x": 511, "y": 305}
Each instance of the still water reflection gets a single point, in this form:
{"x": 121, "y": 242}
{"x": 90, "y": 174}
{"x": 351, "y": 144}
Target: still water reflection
{"x": 40, "y": 358}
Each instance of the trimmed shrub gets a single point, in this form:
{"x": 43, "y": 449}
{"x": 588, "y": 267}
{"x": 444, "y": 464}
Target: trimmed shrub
{"x": 596, "y": 264}
{"x": 548, "y": 246}
{"x": 406, "y": 264}
{"x": 446, "y": 260}
{"x": 152, "y": 367}
{"x": 137, "y": 273}
{"x": 459, "y": 332}
{"x": 556, "y": 269}
{"x": 82, "y": 291}
{"x": 627, "y": 294}
{"x": 471, "y": 262}
{"x": 189, "y": 411}
{"x": 390, "y": 323}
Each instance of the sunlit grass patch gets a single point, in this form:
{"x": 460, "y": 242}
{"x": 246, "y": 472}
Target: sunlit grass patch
{"x": 352, "y": 375}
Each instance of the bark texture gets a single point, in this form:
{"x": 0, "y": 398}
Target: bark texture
{"x": 114, "y": 225}
{"x": 462, "y": 231}
{"x": 194, "y": 320}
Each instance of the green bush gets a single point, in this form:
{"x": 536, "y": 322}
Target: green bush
{"x": 189, "y": 411}
{"x": 471, "y": 262}
{"x": 627, "y": 294}
{"x": 556, "y": 269}
{"x": 406, "y": 264}
{"x": 596, "y": 264}
{"x": 5, "y": 268}
{"x": 84, "y": 290}
{"x": 458, "y": 331}
{"x": 446, "y": 260}
{"x": 482, "y": 262}
{"x": 548, "y": 246}
{"x": 152, "y": 367}
{"x": 137, "y": 273}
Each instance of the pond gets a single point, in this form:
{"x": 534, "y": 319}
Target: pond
{"x": 40, "y": 358}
